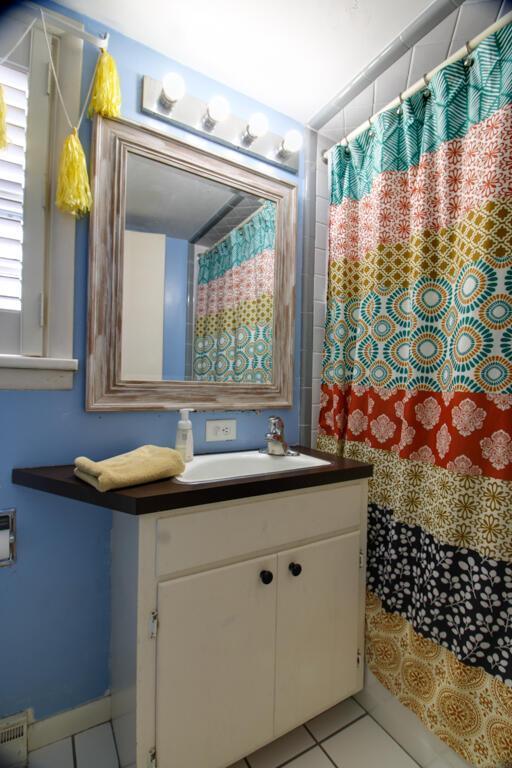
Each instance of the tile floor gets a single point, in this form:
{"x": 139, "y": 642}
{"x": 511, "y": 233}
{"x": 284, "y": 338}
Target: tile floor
{"x": 344, "y": 736}
{"x": 94, "y": 748}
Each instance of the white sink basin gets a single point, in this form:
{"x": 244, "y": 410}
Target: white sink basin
{"x": 225, "y": 466}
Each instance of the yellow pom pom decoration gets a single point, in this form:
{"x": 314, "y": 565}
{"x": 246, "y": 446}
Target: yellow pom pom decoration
{"x": 73, "y": 190}
{"x": 106, "y": 91}
{"x": 3, "y": 120}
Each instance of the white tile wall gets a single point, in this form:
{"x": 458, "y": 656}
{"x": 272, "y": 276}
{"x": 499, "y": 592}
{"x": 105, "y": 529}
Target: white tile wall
{"x": 385, "y": 85}
{"x": 473, "y": 19}
{"x": 463, "y": 24}
{"x": 320, "y": 281}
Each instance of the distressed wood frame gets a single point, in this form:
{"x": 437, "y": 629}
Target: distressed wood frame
{"x": 105, "y": 389}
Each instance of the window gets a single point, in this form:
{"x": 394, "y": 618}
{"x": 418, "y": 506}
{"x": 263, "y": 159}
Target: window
{"x": 36, "y": 241}
{"x": 12, "y": 182}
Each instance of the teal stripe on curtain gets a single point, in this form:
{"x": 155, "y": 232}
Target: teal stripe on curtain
{"x": 240, "y": 245}
{"x": 459, "y": 98}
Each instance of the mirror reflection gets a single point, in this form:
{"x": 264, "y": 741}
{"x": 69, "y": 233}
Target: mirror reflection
{"x": 197, "y": 278}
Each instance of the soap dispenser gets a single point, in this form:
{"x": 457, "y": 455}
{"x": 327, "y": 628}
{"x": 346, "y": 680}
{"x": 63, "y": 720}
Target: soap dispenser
{"x": 185, "y": 436}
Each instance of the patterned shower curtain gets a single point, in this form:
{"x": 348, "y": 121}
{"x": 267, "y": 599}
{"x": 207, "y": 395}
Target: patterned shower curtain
{"x": 417, "y": 380}
{"x": 235, "y": 302}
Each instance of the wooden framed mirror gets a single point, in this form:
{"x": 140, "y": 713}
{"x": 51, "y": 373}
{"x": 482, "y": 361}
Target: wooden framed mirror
{"x": 191, "y": 277}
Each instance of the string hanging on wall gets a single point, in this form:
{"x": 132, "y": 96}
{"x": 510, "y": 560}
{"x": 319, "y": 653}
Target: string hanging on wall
{"x": 73, "y": 193}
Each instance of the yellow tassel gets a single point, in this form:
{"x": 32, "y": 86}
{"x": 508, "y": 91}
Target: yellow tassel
{"x": 73, "y": 191}
{"x": 3, "y": 120}
{"x": 106, "y": 91}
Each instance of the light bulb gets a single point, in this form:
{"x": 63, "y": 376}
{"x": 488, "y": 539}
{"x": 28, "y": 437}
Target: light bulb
{"x": 292, "y": 141}
{"x": 257, "y": 125}
{"x": 173, "y": 89}
{"x": 218, "y": 109}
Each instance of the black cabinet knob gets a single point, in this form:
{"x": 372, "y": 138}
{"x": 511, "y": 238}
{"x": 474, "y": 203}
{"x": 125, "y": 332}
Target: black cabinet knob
{"x": 295, "y": 569}
{"x": 267, "y": 577}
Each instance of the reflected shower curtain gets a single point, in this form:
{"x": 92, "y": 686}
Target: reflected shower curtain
{"x": 234, "y": 304}
{"x": 417, "y": 379}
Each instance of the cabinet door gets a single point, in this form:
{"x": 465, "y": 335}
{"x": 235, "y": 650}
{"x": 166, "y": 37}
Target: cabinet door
{"x": 215, "y": 665}
{"x": 318, "y": 624}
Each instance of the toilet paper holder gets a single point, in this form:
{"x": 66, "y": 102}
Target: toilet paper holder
{"x": 7, "y": 536}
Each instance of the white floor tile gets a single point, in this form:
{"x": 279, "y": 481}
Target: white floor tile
{"x": 335, "y": 718}
{"x": 405, "y": 728}
{"x": 95, "y": 747}
{"x": 365, "y": 744}
{"x": 282, "y": 749}
{"x": 57, "y": 755}
{"x": 315, "y": 758}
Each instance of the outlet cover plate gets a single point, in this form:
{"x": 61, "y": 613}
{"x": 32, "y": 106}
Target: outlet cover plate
{"x": 220, "y": 430}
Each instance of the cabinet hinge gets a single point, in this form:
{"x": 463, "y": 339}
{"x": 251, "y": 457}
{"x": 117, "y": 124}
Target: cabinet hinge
{"x": 152, "y": 758}
{"x": 358, "y": 657}
{"x": 153, "y": 624}
{"x": 361, "y": 559}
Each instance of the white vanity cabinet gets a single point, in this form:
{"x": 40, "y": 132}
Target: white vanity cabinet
{"x": 235, "y": 622}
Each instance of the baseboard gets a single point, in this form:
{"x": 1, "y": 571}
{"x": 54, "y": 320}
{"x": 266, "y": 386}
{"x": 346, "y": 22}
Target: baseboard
{"x": 51, "y": 729}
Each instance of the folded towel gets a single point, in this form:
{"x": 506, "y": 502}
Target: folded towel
{"x": 143, "y": 465}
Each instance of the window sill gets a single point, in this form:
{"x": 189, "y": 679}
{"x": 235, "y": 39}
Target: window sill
{"x": 23, "y": 372}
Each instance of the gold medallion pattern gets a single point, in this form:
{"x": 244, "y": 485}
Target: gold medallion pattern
{"x": 465, "y": 707}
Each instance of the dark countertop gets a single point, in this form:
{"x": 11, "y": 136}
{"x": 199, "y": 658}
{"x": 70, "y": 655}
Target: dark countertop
{"x": 168, "y": 494}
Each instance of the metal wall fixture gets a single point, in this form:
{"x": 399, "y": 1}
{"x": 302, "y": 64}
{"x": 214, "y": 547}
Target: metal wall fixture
{"x": 7, "y": 536}
{"x": 168, "y": 100}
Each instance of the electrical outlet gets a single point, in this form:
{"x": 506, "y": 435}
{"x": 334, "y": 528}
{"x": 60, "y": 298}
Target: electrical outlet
{"x": 220, "y": 429}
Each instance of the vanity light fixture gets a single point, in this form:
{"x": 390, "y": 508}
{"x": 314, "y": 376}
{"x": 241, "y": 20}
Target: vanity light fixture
{"x": 255, "y": 128}
{"x": 291, "y": 144}
{"x": 173, "y": 89}
{"x": 214, "y": 120}
{"x": 217, "y": 111}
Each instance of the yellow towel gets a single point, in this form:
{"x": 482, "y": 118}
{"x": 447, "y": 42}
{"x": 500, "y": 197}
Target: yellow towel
{"x": 143, "y": 465}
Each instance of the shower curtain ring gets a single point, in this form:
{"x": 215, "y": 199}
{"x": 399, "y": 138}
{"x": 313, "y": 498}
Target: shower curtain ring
{"x": 371, "y": 132}
{"x": 469, "y": 60}
{"x": 347, "y": 148}
{"x": 400, "y": 106}
{"x": 426, "y": 92}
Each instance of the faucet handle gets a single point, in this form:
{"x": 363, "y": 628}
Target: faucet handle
{"x": 276, "y": 424}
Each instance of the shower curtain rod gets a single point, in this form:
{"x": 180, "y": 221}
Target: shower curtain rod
{"x": 424, "y": 81}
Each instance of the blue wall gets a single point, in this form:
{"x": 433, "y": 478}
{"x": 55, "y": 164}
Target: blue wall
{"x": 175, "y": 317}
{"x": 54, "y": 633}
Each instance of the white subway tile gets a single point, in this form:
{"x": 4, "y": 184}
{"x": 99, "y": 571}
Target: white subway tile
{"x": 321, "y": 235}
{"x": 320, "y": 261}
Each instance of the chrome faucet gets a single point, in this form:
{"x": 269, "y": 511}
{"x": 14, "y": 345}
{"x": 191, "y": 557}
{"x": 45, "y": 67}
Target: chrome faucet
{"x": 276, "y": 444}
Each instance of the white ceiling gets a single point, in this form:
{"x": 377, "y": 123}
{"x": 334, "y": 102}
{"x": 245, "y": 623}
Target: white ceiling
{"x": 162, "y": 199}
{"x": 169, "y": 201}
{"x": 292, "y": 55}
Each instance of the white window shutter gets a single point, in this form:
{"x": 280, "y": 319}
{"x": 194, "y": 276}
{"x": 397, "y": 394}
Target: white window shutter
{"x": 35, "y": 199}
